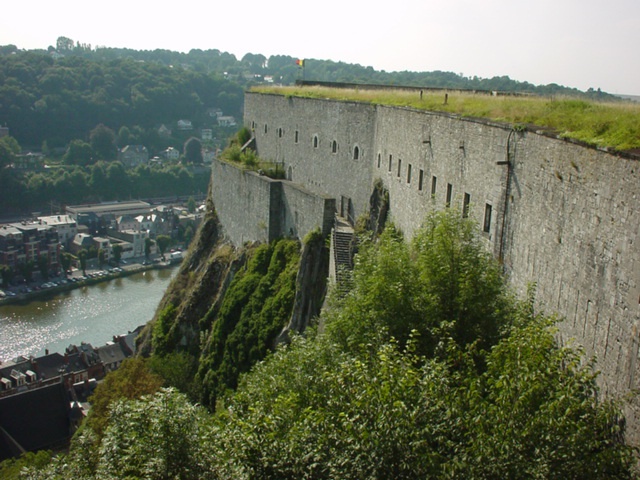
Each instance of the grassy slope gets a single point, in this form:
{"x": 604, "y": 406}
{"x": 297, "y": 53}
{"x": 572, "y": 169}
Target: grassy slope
{"x": 606, "y": 125}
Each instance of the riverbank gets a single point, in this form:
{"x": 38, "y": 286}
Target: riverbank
{"x": 92, "y": 313}
{"x": 38, "y": 291}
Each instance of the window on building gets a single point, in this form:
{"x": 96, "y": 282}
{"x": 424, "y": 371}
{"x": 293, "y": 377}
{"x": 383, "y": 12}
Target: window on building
{"x": 465, "y": 205}
{"x": 390, "y": 162}
{"x": 295, "y": 136}
{"x": 449, "y": 194}
{"x": 434, "y": 183}
{"x": 356, "y": 153}
{"x": 487, "y": 218}
{"x": 265, "y": 129}
{"x": 315, "y": 141}
{"x": 409, "y": 173}
{"x": 399, "y": 166}
{"x": 379, "y": 160}
{"x": 280, "y": 132}
{"x": 334, "y": 147}
{"x": 420, "y": 180}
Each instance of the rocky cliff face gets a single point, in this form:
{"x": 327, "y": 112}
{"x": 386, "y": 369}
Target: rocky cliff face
{"x": 227, "y": 307}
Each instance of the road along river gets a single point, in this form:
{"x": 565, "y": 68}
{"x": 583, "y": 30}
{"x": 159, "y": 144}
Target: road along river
{"x": 91, "y": 314}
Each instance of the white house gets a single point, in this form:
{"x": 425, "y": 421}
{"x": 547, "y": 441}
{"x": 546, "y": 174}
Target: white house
{"x": 206, "y": 134}
{"x": 185, "y": 125}
{"x": 170, "y": 153}
{"x": 226, "y": 121}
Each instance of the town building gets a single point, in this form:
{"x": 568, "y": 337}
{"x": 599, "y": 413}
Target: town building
{"x": 65, "y": 225}
{"x": 42, "y": 398}
{"x": 185, "y": 125}
{"x": 171, "y": 153}
{"x": 133, "y": 155}
{"x": 226, "y": 121}
{"x": 26, "y": 242}
{"x": 100, "y": 216}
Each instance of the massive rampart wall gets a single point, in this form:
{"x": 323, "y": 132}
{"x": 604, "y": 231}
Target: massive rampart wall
{"x": 252, "y": 207}
{"x": 556, "y": 213}
{"x": 326, "y": 146}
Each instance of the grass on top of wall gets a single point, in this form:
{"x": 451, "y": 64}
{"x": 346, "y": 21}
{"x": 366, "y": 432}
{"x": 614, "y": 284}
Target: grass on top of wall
{"x": 610, "y": 125}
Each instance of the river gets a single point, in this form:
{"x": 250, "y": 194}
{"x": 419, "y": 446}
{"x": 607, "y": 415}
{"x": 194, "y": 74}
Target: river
{"x": 91, "y": 314}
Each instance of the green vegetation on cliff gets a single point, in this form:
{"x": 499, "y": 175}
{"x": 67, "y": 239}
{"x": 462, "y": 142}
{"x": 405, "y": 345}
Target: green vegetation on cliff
{"x": 412, "y": 374}
{"x": 255, "y": 309}
{"x": 610, "y": 125}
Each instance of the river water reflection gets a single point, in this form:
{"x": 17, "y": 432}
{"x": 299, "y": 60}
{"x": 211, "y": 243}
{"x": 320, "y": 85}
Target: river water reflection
{"x": 91, "y": 314}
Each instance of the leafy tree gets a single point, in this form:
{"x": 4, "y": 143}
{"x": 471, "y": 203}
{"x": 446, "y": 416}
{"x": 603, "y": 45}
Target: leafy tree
{"x": 170, "y": 446}
{"x": 98, "y": 180}
{"x": 124, "y": 137}
{"x": 64, "y": 44}
{"x": 535, "y": 412}
{"x": 243, "y": 136}
{"x": 191, "y": 205}
{"x": 65, "y": 261}
{"x": 78, "y": 153}
{"x": 12, "y": 469}
{"x": 443, "y": 280}
{"x": 103, "y": 142}
{"x": 163, "y": 242}
{"x": 354, "y": 402}
{"x": 147, "y": 247}
{"x": 133, "y": 379}
{"x": 461, "y": 282}
{"x": 26, "y": 270}
{"x": 116, "y": 250}
{"x": 315, "y": 410}
{"x": 188, "y": 235}
{"x": 177, "y": 369}
{"x": 9, "y": 148}
{"x": 193, "y": 151}
{"x": 43, "y": 266}
{"x": 6, "y": 272}
{"x": 82, "y": 256}
{"x": 101, "y": 257}
{"x": 117, "y": 179}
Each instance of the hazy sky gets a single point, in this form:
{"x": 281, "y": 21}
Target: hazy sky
{"x": 577, "y": 43}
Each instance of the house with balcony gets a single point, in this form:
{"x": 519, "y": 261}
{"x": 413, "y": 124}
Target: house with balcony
{"x": 26, "y": 242}
{"x": 65, "y": 225}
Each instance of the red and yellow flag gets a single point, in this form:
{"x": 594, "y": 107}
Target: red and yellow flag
{"x": 300, "y": 62}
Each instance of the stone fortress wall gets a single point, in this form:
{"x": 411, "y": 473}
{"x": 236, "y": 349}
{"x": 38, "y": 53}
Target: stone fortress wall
{"x": 553, "y": 211}
{"x": 255, "y": 208}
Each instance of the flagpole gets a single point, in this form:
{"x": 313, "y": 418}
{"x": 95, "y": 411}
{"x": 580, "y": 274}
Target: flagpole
{"x": 300, "y": 62}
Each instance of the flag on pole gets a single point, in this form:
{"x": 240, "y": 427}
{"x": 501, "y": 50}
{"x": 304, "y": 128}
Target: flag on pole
{"x": 300, "y": 62}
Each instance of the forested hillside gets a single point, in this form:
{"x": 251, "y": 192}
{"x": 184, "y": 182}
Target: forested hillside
{"x": 43, "y": 99}
{"x": 62, "y": 93}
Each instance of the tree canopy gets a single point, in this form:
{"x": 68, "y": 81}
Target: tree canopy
{"x": 396, "y": 390}
{"x": 62, "y": 98}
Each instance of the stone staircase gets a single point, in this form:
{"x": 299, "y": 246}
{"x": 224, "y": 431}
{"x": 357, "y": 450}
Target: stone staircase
{"x": 342, "y": 249}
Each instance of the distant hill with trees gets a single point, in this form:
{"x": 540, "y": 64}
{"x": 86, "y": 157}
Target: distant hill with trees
{"x": 63, "y": 92}
{"x": 76, "y": 104}
{"x": 53, "y": 97}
